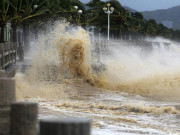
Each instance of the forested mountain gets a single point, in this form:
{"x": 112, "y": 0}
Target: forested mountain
{"x": 171, "y": 14}
{"x": 130, "y": 9}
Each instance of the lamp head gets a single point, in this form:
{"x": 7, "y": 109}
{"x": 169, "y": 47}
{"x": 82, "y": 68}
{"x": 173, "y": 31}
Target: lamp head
{"x": 108, "y": 4}
{"x": 105, "y": 9}
{"x": 76, "y": 7}
{"x": 35, "y": 6}
{"x": 80, "y": 11}
{"x": 112, "y": 9}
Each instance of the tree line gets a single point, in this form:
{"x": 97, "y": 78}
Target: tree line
{"x": 33, "y": 15}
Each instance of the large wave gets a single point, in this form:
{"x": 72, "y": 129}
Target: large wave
{"x": 64, "y": 54}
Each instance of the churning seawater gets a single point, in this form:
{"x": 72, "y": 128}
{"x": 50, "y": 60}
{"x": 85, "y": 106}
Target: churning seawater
{"x": 124, "y": 88}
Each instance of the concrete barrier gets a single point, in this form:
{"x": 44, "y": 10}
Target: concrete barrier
{"x": 7, "y": 96}
{"x": 20, "y": 118}
{"x": 23, "y": 118}
{"x": 11, "y": 72}
{"x": 65, "y": 127}
{"x": 7, "y": 91}
{"x": 2, "y": 73}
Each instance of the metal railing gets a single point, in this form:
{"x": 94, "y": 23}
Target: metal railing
{"x": 9, "y": 53}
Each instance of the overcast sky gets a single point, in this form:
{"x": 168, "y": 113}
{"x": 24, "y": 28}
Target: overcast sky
{"x": 144, "y": 5}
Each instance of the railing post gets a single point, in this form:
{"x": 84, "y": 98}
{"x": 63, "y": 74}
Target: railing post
{"x": 15, "y": 51}
{"x": 2, "y": 57}
{"x": 7, "y": 96}
{"x": 7, "y": 91}
{"x": 8, "y": 54}
{"x": 23, "y": 118}
{"x": 2, "y": 73}
{"x": 21, "y": 52}
{"x": 65, "y": 127}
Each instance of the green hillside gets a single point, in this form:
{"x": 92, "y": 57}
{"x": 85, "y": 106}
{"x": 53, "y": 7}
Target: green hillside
{"x": 130, "y": 9}
{"x": 171, "y": 14}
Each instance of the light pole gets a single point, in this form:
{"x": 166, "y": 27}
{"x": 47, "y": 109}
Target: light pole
{"x": 79, "y": 12}
{"x": 99, "y": 34}
{"x": 93, "y": 27}
{"x": 108, "y": 10}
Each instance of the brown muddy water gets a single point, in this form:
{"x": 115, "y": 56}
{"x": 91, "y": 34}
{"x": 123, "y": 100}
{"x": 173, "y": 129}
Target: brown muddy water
{"x": 123, "y": 90}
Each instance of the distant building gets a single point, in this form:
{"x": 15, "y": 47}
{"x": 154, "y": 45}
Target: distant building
{"x": 168, "y": 24}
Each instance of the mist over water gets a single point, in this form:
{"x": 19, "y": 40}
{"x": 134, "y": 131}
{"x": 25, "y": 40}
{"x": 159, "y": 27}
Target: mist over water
{"x": 138, "y": 70}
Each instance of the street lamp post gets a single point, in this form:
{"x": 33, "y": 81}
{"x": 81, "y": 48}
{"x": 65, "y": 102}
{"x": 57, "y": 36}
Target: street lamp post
{"x": 108, "y": 10}
{"x": 79, "y": 12}
{"x": 93, "y": 32}
{"x": 99, "y": 34}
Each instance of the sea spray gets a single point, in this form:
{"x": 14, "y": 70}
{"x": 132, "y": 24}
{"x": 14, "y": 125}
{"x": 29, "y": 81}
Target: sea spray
{"x": 64, "y": 55}
{"x": 156, "y": 73}
{"x": 60, "y": 57}
{"x": 75, "y": 57}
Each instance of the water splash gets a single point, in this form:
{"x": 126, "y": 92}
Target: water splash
{"x": 64, "y": 55}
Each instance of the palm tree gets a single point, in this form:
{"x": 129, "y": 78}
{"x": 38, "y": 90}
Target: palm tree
{"x": 119, "y": 17}
{"x": 24, "y": 10}
{"x": 83, "y": 20}
{"x": 4, "y": 17}
{"x": 15, "y": 9}
{"x": 96, "y": 15}
{"x": 38, "y": 12}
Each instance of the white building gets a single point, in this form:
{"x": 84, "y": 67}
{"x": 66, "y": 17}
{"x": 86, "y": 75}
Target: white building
{"x": 168, "y": 23}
